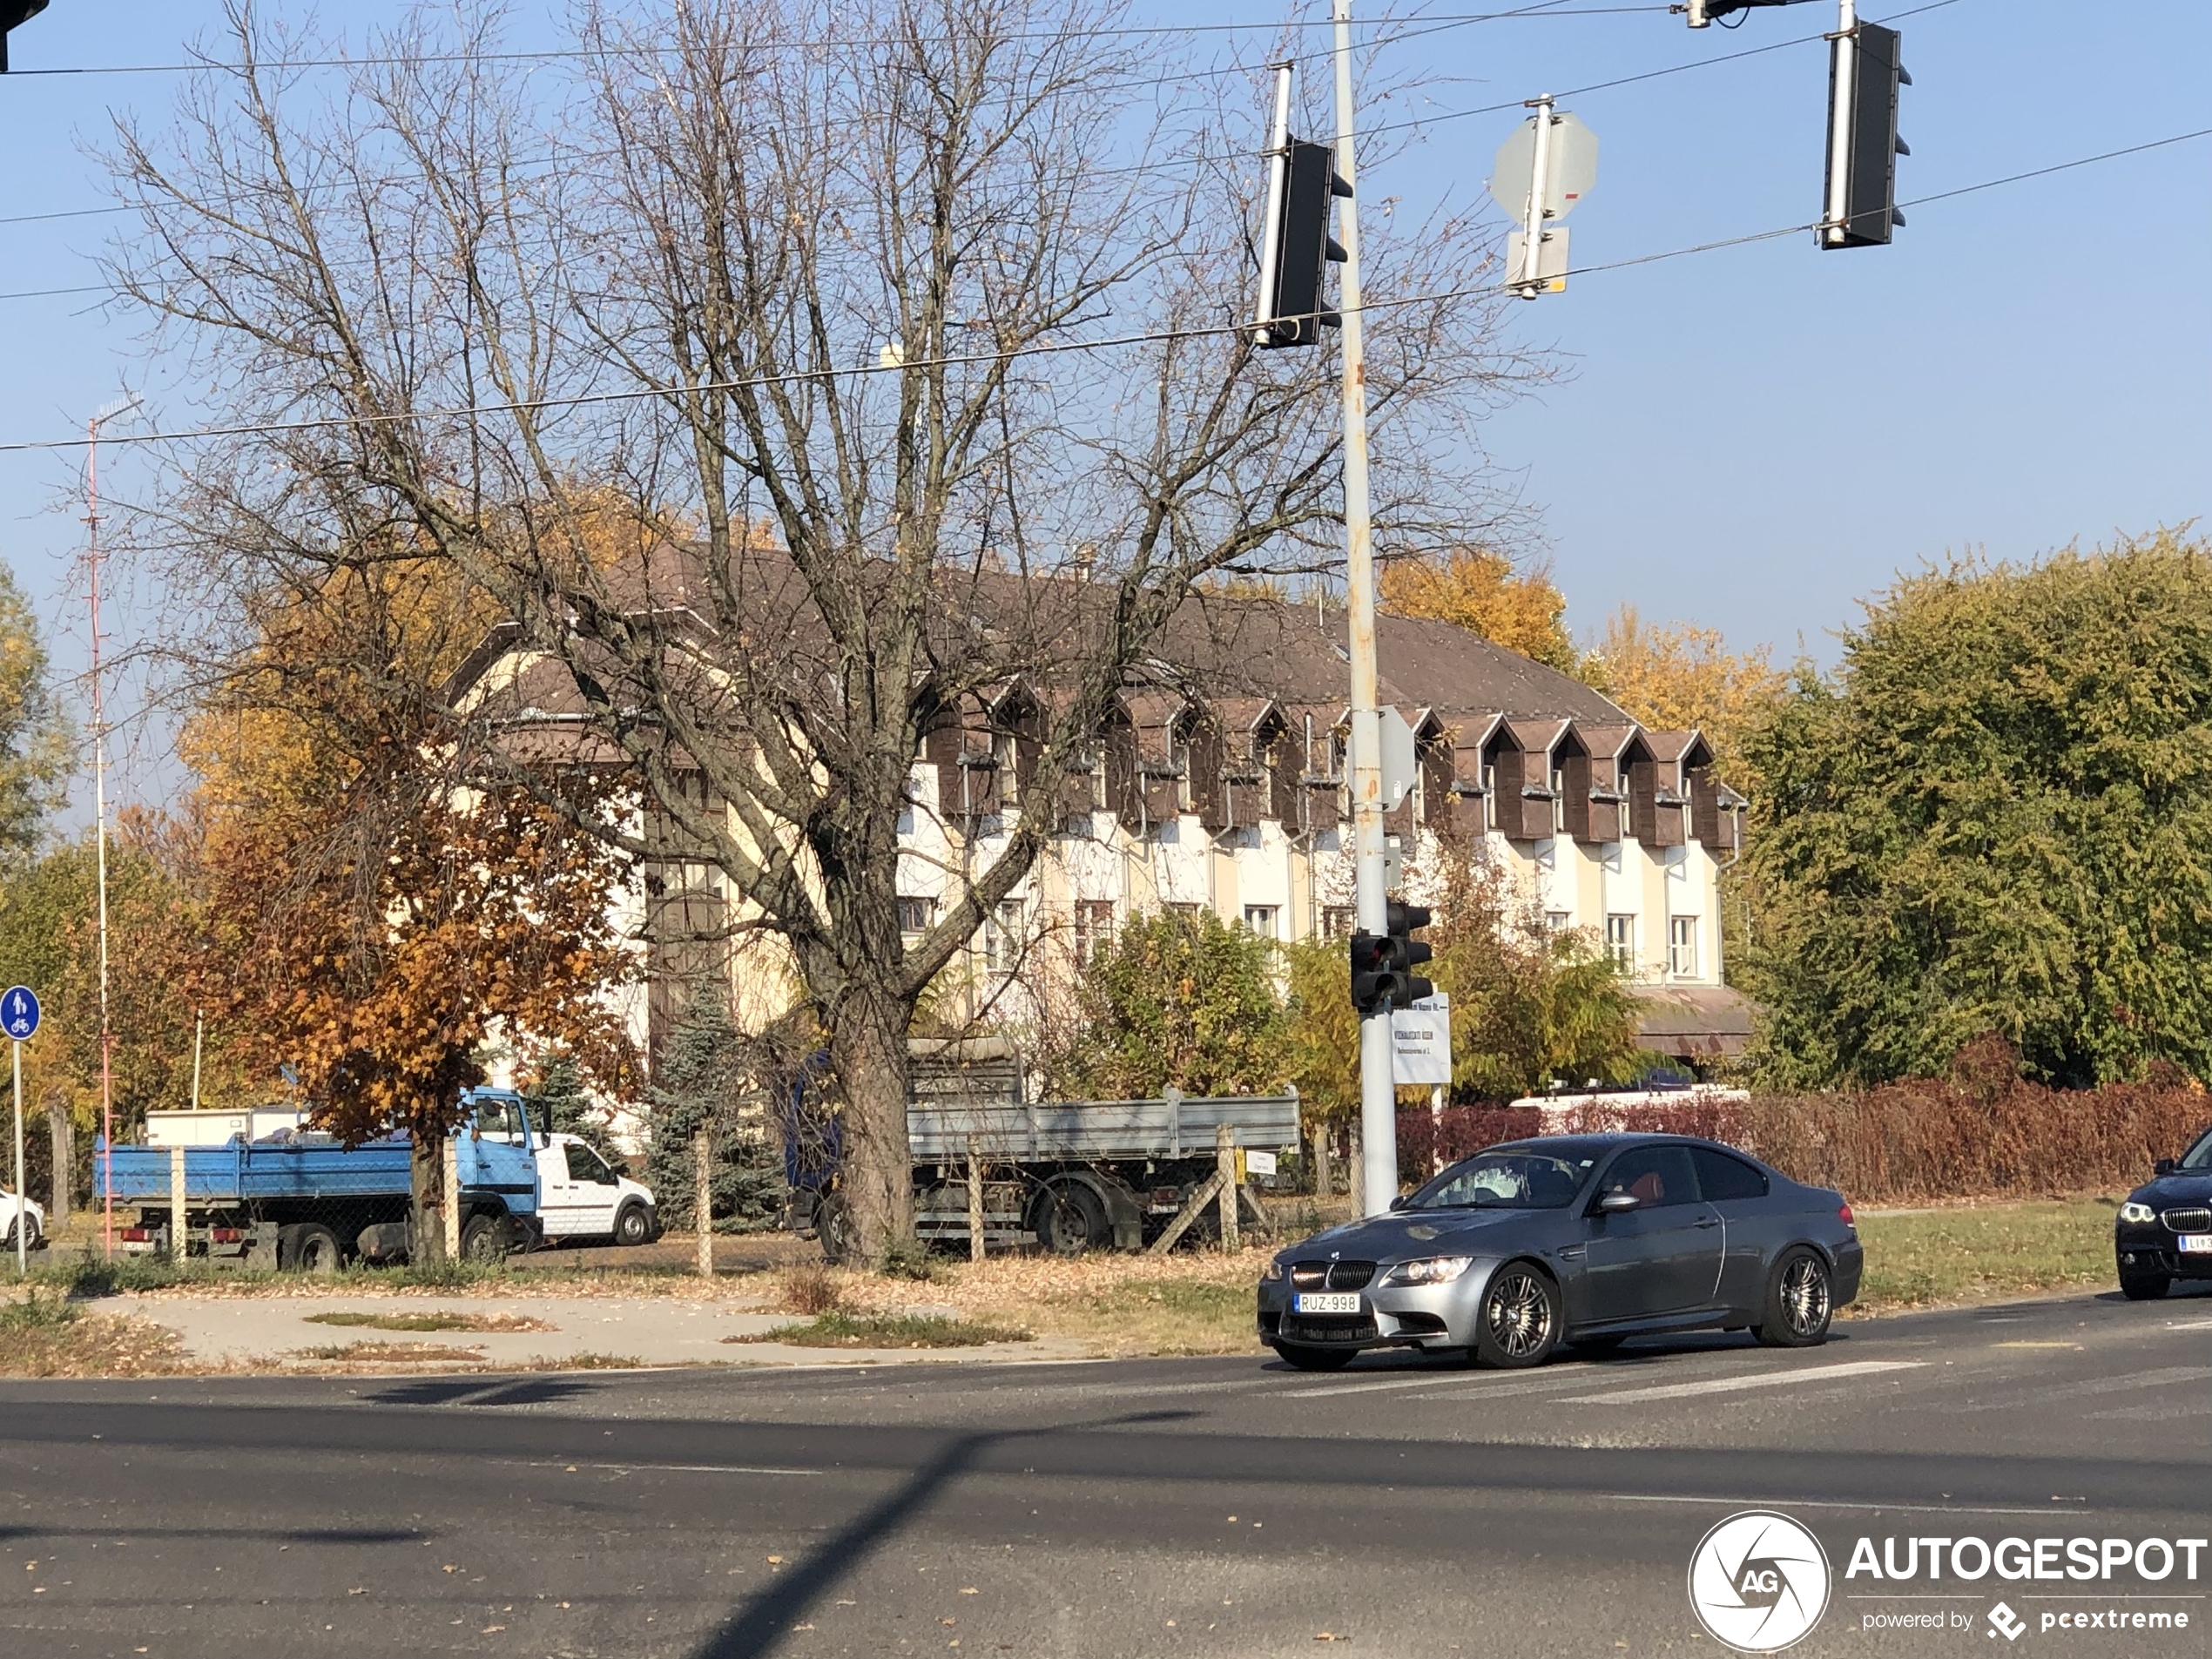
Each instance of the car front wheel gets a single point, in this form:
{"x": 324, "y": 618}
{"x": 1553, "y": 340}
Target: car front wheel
{"x": 2143, "y": 1287}
{"x": 630, "y": 1226}
{"x": 1519, "y": 1322}
{"x": 1799, "y": 1301}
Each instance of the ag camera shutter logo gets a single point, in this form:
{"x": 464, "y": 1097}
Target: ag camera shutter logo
{"x": 1758, "y": 1581}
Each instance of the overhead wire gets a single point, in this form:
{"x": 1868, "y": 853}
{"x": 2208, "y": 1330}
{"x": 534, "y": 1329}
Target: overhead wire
{"x": 1041, "y": 348}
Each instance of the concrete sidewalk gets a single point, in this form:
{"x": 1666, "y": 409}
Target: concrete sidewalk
{"x": 275, "y": 1333}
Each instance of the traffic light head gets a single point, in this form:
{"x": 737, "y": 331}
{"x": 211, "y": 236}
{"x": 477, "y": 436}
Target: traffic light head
{"x": 13, "y": 12}
{"x": 1296, "y": 247}
{"x": 1864, "y": 70}
{"x": 1380, "y": 961}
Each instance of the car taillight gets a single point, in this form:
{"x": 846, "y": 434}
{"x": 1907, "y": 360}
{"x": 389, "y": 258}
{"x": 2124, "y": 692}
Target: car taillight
{"x": 1844, "y": 1215}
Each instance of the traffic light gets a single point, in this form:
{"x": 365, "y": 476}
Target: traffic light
{"x": 1702, "y": 12}
{"x": 1379, "y": 981}
{"x": 13, "y": 13}
{"x": 1301, "y": 181}
{"x": 1864, "y": 74}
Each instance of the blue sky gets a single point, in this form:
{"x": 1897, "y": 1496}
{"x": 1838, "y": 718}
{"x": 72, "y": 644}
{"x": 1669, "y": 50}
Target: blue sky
{"x": 1754, "y": 438}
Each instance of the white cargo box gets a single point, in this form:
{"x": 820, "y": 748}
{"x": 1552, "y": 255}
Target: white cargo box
{"x": 218, "y": 1128}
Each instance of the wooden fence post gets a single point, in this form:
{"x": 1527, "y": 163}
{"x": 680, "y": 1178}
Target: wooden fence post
{"x": 449, "y": 1195}
{"x": 1356, "y": 1175}
{"x": 1324, "y": 1180}
{"x": 177, "y": 1203}
{"x": 1224, "y": 1155}
{"x": 974, "y": 1199}
{"x": 703, "y": 1198}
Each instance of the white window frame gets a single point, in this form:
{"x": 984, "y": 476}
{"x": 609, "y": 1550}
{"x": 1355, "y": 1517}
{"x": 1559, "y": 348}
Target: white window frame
{"x": 1003, "y": 937}
{"x": 927, "y": 912}
{"x": 1620, "y": 940}
{"x": 1270, "y": 923}
{"x": 1682, "y": 947}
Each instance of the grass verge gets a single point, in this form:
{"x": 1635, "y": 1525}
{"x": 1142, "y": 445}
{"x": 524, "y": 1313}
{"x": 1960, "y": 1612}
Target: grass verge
{"x": 47, "y": 1336}
{"x": 396, "y": 1353}
{"x": 838, "y": 1329}
{"x": 1981, "y": 1252}
{"x": 481, "y": 1324}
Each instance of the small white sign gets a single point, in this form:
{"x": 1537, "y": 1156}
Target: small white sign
{"x": 1260, "y": 1163}
{"x": 1421, "y": 1040}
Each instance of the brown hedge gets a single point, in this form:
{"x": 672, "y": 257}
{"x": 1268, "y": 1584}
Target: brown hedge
{"x": 1903, "y": 1142}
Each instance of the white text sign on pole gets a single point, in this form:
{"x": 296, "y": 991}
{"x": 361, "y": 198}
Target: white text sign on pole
{"x": 1421, "y": 1040}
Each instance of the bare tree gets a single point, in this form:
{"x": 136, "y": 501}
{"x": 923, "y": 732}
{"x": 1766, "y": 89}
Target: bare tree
{"x": 791, "y": 379}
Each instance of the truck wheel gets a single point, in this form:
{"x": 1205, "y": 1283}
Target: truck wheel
{"x": 631, "y": 1226}
{"x": 1068, "y": 1219}
{"x": 833, "y": 1228}
{"x": 308, "y": 1247}
{"x": 484, "y": 1239}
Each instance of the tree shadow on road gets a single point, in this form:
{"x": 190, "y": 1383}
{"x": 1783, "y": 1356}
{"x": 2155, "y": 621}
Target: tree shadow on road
{"x": 761, "y": 1622}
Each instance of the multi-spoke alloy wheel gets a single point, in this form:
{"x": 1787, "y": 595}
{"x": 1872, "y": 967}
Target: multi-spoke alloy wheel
{"x": 1519, "y": 1318}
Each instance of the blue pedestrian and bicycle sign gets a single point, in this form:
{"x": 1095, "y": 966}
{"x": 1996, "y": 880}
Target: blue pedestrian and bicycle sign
{"x": 19, "y": 1012}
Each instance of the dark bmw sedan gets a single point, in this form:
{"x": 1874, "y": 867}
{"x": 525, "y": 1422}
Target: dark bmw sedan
{"x": 1584, "y": 1240}
{"x": 2164, "y": 1231}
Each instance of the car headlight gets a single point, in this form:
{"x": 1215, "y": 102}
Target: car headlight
{"x": 2133, "y": 1211}
{"x": 1270, "y": 1274}
{"x": 1437, "y": 1270}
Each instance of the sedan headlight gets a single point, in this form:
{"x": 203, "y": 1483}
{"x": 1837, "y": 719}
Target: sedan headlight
{"x": 1271, "y": 1274}
{"x": 2133, "y": 1211}
{"x": 1437, "y": 1270}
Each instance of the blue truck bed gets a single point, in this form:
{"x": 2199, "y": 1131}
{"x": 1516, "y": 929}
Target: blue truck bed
{"x": 244, "y": 1171}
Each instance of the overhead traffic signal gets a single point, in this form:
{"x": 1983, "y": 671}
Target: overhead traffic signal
{"x": 1301, "y": 182}
{"x": 1865, "y": 71}
{"x": 14, "y": 13}
{"x": 1380, "y": 961}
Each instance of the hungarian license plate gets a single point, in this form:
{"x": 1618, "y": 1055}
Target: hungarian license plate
{"x": 2196, "y": 1244}
{"x": 1328, "y": 1302}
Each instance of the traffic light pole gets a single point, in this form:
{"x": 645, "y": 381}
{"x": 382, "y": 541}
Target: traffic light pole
{"x": 1378, "y": 1093}
{"x": 1836, "y": 215}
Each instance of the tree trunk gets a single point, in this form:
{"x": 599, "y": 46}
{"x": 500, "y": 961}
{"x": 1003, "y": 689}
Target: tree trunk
{"x": 426, "y": 1183}
{"x": 867, "y": 1044}
{"x": 64, "y": 1133}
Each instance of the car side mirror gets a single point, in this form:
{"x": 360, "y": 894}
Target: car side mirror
{"x": 2164, "y": 1166}
{"x": 1618, "y": 1203}
{"x": 1401, "y": 1201}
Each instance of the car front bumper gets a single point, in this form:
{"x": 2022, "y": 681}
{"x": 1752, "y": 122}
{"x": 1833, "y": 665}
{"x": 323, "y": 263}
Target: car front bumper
{"x": 1391, "y": 1316}
{"x": 2151, "y": 1247}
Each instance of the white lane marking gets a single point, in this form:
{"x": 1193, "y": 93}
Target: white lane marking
{"x": 2013, "y": 1398}
{"x": 1732, "y": 1385}
{"x": 1838, "y": 1503}
{"x": 650, "y": 1469}
{"x": 2188, "y": 1325}
{"x": 1428, "y": 1381}
{"x": 1533, "y": 1385}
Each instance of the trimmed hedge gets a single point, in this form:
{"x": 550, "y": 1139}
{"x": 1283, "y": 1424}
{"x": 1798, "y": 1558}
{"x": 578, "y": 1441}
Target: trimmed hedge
{"x": 1901, "y": 1142}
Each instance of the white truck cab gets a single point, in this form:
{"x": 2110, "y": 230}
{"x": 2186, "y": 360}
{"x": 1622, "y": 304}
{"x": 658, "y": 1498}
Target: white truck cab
{"x": 580, "y": 1196}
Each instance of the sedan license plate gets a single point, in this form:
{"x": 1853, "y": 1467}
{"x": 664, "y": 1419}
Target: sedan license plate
{"x": 2196, "y": 1244}
{"x": 1328, "y": 1302}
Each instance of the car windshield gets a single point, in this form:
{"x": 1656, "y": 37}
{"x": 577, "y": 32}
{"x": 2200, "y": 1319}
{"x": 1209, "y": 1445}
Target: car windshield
{"x": 1507, "y": 1179}
{"x": 2200, "y": 1156}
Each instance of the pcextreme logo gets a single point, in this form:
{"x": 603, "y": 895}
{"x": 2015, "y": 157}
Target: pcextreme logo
{"x": 1758, "y": 1581}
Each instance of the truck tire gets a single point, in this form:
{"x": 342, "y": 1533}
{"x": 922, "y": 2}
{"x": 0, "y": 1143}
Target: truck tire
{"x": 485, "y": 1239}
{"x": 310, "y": 1247}
{"x": 1068, "y": 1219}
{"x": 632, "y": 1224}
{"x": 834, "y": 1228}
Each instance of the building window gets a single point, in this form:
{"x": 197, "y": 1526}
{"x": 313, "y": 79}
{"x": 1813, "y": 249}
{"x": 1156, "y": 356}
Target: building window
{"x": 1559, "y": 803}
{"x": 1558, "y": 921}
{"x": 1489, "y": 798}
{"x": 1337, "y": 920}
{"x": 917, "y": 915}
{"x": 1621, "y": 941}
{"x": 1183, "y": 908}
{"x": 1002, "y": 938}
{"x": 1682, "y": 947}
{"x": 1094, "y": 929}
{"x": 1261, "y": 919}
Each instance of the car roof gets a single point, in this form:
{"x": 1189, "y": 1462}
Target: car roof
{"x": 1608, "y": 1141}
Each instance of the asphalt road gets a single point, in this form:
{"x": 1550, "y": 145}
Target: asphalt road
{"x": 1158, "y": 1507}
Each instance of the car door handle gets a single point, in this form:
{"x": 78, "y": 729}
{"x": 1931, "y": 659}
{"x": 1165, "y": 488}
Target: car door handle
{"x": 1708, "y": 1221}
{"x": 1571, "y": 1253}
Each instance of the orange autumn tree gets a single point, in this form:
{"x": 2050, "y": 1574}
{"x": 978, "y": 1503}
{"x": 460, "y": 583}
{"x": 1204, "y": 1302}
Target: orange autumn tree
{"x": 1486, "y": 593}
{"x": 364, "y": 921}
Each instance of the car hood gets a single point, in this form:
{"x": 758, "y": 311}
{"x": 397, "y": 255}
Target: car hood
{"x": 2193, "y": 1186}
{"x": 1407, "y": 1234}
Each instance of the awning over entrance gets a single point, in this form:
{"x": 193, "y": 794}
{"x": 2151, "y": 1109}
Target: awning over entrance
{"x": 1693, "y": 1021}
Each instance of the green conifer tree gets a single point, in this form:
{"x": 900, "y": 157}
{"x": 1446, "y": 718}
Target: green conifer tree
{"x": 702, "y": 1080}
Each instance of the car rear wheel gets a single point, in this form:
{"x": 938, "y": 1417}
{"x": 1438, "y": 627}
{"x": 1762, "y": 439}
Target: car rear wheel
{"x": 1519, "y": 1322}
{"x": 30, "y": 1235}
{"x": 630, "y": 1226}
{"x": 2143, "y": 1287}
{"x": 1307, "y": 1359}
{"x": 1799, "y": 1302}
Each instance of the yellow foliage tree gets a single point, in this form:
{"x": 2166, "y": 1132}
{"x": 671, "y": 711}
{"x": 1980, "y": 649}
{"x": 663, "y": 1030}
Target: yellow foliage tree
{"x": 1484, "y": 592}
{"x": 1676, "y": 676}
